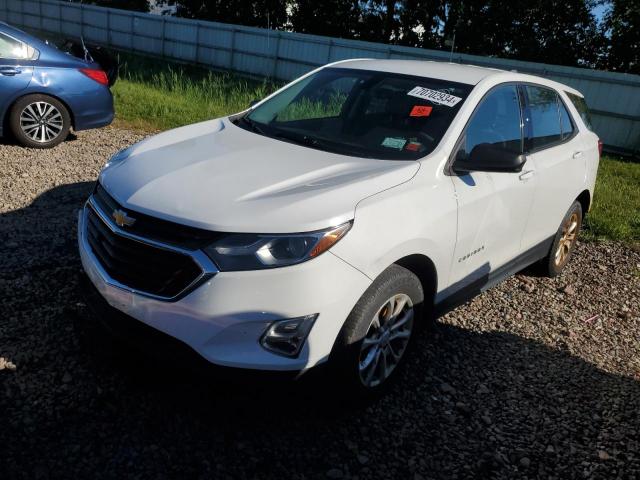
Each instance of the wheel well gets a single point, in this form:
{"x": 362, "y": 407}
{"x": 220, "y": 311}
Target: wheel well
{"x": 585, "y": 201}
{"x": 423, "y": 268}
{"x": 5, "y": 120}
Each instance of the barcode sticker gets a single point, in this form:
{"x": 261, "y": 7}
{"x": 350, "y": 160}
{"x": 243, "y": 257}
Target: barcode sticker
{"x": 435, "y": 96}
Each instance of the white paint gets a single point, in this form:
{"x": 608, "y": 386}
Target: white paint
{"x": 218, "y": 176}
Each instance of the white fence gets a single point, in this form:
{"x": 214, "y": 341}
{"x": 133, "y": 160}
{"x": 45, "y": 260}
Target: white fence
{"x": 614, "y": 98}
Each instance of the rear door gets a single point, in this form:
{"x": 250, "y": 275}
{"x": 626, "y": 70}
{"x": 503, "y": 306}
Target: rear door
{"x": 16, "y": 69}
{"x": 554, "y": 146}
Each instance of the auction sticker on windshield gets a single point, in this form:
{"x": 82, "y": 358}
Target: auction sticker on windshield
{"x": 396, "y": 143}
{"x": 435, "y": 96}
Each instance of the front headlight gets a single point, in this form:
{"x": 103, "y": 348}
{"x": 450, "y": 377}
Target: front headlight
{"x": 254, "y": 252}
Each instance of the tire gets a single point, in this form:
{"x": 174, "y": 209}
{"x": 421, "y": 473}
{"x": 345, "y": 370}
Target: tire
{"x": 39, "y": 121}
{"x": 566, "y": 236}
{"x": 350, "y": 353}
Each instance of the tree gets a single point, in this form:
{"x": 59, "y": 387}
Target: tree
{"x": 255, "y": 13}
{"x": 623, "y": 25}
{"x": 137, "y": 5}
{"x": 333, "y": 18}
{"x": 419, "y": 22}
{"x": 551, "y": 31}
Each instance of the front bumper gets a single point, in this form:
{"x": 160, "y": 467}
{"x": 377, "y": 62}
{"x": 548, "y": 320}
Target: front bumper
{"x": 225, "y": 316}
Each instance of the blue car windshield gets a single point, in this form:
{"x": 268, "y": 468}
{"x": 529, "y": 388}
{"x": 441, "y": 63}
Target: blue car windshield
{"x": 361, "y": 113}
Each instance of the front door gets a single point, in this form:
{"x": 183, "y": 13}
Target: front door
{"x": 493, "y": 207}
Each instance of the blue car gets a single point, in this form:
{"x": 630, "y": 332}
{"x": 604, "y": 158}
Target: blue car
{"x": 44, "y": 92}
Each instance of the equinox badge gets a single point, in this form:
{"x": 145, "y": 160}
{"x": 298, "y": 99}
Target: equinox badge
{"x": 122, "y": 219}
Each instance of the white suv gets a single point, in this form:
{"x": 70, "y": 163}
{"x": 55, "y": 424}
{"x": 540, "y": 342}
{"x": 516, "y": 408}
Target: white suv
{"x": 333, "y": 218}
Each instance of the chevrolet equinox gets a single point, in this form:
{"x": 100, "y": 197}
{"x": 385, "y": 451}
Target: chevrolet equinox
{"x": 329, "y": 221}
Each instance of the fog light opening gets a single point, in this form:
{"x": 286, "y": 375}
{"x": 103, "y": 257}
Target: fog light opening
{"x": 287, "y": 337}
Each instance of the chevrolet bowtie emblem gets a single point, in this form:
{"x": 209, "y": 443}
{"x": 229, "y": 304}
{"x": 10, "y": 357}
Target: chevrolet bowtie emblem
{"x": 122, "y": 219}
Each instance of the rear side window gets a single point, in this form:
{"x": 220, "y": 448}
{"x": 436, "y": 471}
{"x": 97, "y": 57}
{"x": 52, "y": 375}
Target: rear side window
{"x": 15, "y": 50}
{"x": 565, "y": 121}
{"x": 544, "y": 119}
{"x": 583, "y": 110}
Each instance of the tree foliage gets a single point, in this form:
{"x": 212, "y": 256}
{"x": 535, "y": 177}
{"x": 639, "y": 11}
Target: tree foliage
{"x": 623, "y": 24}
{"x": 136, "y": 5}
{"x": 560, "y": 32}
{"x": 253, "y": 13}
{"x": 564, "y": 32}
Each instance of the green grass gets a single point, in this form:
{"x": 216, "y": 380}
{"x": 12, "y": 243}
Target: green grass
{"x": 616, "y": 205}
{"x": 307, "y": 109}
{"x": 155, "y": 95}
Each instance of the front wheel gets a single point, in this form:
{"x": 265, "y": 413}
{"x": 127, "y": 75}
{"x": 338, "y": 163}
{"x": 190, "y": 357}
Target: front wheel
{"x": 39, "y": 121}
{"x": 375, "y": 338}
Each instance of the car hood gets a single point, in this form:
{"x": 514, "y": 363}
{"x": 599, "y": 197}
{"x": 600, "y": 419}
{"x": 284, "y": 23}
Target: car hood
{"x": 218, "y": 176}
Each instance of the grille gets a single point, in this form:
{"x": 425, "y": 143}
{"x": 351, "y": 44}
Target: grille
{"x": 153, "y": 228}
{"x": 138, "y": 265}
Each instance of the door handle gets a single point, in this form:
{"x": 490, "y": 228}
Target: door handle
{"x": 524, "y": 176}
{"x": 9, "y": 71}
{"x": 577, "y": 154}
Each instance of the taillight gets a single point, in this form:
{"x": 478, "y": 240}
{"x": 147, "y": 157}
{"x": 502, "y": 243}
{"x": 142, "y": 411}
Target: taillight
{"x": 600, "y": 147}
{"x": 96, "y": 75}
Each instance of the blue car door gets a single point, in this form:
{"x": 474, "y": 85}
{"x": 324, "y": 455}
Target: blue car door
{"x": 16, "y": 69}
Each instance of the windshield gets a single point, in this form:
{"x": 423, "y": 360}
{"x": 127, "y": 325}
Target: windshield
{"x": 361, "y": 113}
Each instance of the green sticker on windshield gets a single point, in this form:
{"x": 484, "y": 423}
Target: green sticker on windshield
{"x": 397, "y": 143}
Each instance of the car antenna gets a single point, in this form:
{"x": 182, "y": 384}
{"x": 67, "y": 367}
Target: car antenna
{"x": 87, "y": 56}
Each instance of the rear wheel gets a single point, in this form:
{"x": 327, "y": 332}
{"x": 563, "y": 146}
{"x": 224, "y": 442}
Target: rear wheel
{"x": 377, "y": 335}
{"x": 564, "y": 242}
{"x": 39, "y": 121}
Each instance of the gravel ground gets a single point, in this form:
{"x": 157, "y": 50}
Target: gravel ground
{"x": 535, "y": 378}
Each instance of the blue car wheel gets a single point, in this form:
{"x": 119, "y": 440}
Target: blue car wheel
{"x": 39, "y": 121}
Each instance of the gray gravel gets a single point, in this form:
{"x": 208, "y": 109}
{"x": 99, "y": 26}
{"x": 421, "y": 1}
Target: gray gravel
{"x": 535, "y": 378}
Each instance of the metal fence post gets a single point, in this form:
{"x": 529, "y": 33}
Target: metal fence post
{"x": 109, "y": 27}
{"x": 197, "y": 59}
{"x": 276, "y": 57}
{"x": 164, "y": 36}
{"x": 233, "y": 47}
{"x": 133, "y": 30}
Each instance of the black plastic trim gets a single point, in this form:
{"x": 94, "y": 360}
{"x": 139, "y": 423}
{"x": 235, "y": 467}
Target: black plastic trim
{"x": 467, "y": 292}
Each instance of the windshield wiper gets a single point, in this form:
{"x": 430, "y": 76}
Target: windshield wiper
{"x": 321, "y": 144}
{"x": 301, "y": 139}
{"x": 253, "y": 125}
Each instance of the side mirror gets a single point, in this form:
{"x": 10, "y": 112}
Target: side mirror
{"x": 488, "y": 157}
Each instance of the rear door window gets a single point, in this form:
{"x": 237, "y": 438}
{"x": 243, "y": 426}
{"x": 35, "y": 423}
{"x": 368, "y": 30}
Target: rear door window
{"x": 581, "y": 107}
{"x": 565, "y": 121}
{"x": 544, "y": 128}
{"x": 15, "y": 49}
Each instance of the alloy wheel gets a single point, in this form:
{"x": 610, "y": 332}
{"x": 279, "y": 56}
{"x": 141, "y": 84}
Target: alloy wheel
{"x": 41, "y": 122}
{"x": 386, "y": 340}
{"x": 569, "y": 233}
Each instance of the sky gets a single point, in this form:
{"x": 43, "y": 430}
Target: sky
{"x": 599, "y": 11}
